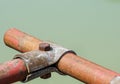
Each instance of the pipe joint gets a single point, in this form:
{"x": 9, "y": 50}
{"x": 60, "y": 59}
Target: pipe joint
{"x": 41, "y": 62}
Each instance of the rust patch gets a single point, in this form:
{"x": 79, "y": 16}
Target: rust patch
{"x": 15, "y": 63}
{"x": 4, "y": 70}
{"x": 44, "y": 47}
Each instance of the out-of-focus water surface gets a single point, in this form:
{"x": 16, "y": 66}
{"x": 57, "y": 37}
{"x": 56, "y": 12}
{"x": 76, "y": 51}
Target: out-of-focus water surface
{"x": 90, "y": 27}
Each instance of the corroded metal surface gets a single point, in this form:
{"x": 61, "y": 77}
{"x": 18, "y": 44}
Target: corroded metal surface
{"x": 73, "y": 65}
{"x": 36, "y": 60}
{"x": 84, "y": 70}
{"x": 45, "y": 47}
{"x": 21, "y": 41}
{"x": 12, "y": 71}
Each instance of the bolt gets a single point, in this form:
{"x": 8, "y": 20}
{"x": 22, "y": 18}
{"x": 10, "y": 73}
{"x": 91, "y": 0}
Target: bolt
{"x": 46, "y": 76}
{"x": 44, "y": 47}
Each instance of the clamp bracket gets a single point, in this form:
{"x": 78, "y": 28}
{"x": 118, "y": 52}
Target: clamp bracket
{"x": 41, "y": 62}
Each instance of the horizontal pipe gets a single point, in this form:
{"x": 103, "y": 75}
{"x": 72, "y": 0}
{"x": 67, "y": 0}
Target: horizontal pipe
{"x": 75, "y": 66}
{"x": 85, "y": 71}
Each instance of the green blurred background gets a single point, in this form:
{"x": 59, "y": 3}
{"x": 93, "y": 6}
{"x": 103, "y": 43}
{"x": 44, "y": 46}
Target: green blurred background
{"x": 90, "y": 27}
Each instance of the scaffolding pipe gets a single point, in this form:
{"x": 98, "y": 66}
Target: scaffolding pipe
{"x": 75, "y": 66}
{"x": 12, "y": 71}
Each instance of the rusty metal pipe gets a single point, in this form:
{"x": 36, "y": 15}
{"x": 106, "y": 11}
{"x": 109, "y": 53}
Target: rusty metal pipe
{"x": 12, "y": 71}
{"x": 73, "y": 65}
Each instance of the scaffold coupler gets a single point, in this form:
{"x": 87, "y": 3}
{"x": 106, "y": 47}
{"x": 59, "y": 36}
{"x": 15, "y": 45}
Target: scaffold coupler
{"x": 41, "y": 62}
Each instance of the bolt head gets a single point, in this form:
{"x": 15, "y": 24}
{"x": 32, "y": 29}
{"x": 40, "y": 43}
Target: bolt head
{"x": 44, "y": 47}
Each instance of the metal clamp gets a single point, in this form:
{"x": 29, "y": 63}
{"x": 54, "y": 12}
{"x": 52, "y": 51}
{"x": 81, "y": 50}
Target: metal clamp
{"x": 115, "y": 80}
{"x": 41, "y": 62}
